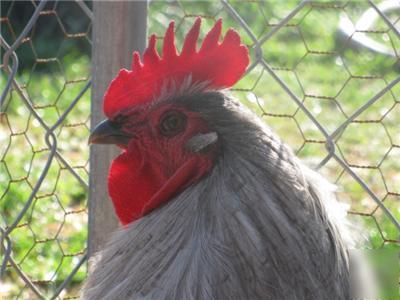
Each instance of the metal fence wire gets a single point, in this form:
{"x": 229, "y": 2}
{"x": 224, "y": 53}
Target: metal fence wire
{"x": 44, "y": 126}
{"x": 323, "y": 75}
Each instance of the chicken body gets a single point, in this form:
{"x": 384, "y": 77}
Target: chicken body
{"x": 258, "y": 225}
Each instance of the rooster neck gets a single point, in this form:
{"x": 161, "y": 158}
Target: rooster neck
{"x": 245, "y": 231}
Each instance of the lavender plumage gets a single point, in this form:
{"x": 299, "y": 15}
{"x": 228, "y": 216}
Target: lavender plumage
{"x": 260, "y": 225}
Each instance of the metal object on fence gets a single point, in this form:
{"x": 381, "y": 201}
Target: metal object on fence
{"x": 356, "y": 33}
{"x": 43, "y": 151}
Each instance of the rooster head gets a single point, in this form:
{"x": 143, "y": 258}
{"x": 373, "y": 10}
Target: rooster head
{"x": 167, "y": 145}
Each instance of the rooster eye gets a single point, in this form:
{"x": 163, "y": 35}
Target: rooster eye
{"x": 172, "y": 123}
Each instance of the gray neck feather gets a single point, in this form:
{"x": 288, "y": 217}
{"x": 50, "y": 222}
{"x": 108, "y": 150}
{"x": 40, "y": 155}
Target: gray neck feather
{"x": 260, "y": 225}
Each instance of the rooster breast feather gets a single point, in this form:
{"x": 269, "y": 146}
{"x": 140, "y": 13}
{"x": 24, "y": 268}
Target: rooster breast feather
{"x": 260, "y": 225}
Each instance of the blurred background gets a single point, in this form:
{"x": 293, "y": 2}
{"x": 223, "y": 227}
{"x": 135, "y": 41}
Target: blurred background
{"x": 313, "y": 79}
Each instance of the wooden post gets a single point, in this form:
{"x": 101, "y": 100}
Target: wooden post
{"x": 119, "y": 28}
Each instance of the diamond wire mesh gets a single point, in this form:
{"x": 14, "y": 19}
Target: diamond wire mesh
{"x": 43, "y": 153}
{"x": 335, "y": 102}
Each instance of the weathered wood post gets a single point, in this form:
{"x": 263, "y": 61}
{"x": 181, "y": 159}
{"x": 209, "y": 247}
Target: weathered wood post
{"x": 119, "y": 28}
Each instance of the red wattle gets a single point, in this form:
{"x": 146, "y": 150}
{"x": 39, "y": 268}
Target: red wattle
{"x": 137, "y": 185}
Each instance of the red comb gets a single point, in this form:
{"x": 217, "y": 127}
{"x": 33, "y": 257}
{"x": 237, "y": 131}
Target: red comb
{"x": 219, "y": 64}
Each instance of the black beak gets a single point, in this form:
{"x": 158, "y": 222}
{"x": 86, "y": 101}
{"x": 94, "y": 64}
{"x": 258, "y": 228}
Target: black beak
{"x": 107, "y": 132}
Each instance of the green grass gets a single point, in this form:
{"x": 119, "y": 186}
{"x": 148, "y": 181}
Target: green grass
{"x": 52, "y": 235}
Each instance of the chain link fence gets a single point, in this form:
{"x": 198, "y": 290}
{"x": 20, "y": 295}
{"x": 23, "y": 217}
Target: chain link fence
{"x": 324, "y": 75}
{"x": 43, "y": 153}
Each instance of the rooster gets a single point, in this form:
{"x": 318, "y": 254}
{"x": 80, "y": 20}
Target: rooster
{"x": 213, "y": 204}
